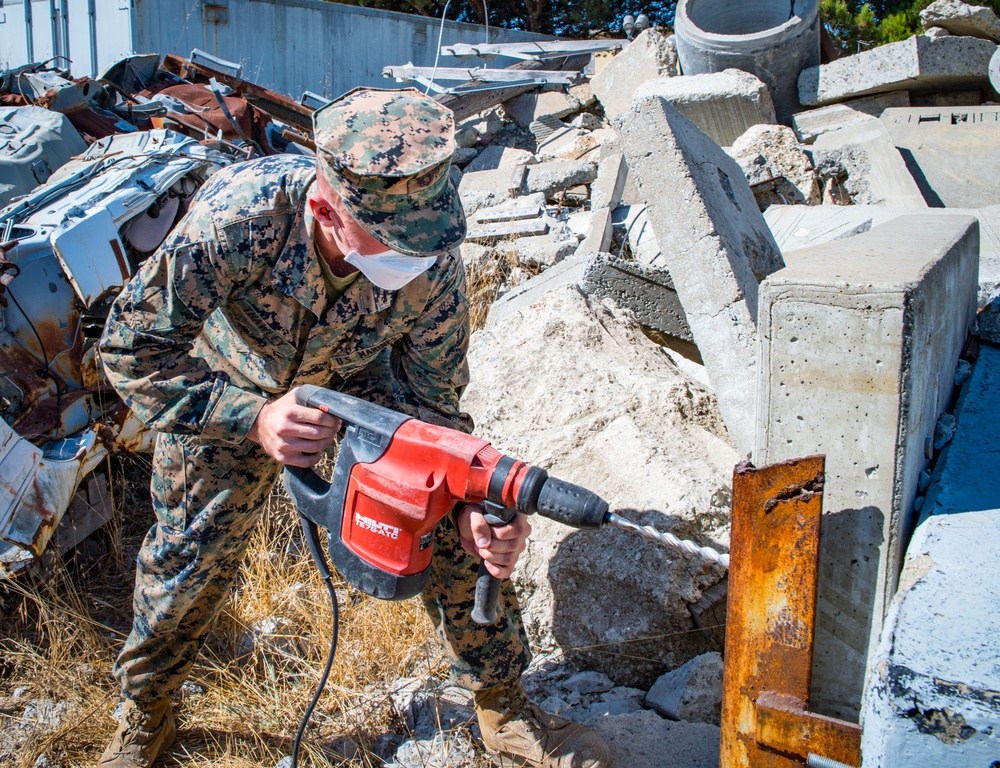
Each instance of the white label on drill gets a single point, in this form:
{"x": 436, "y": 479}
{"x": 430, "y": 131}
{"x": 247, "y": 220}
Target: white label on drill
{"x": 382, "y": 529}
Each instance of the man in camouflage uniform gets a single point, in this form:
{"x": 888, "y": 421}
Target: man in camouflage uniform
{"x": 255, "y": 292}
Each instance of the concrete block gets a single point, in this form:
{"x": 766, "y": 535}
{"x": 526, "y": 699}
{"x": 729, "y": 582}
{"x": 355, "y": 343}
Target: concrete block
{"x": 543, "y": 251}
{"x": 714, "y": 243}
{"x": 931, "y": 694}
{"x": 648, "y": 292}
{"x": 606, "y": 192}
{"x": 556, "y": 175}
{"x": 650, "y": 56}
{"x": 462, "y": 156}
{"x": 962, "y": 19}
{"x": 815, "y": 122}
{"x": 722, "y": 104}
{"x": 859, "y": 344}
{"x": 497, "y": 156}
{"x": 588, "y": 121}
{"x": 534, "y": 105}
{"x": 876, "y": 173}
{"x": 484, "y": 189}
{"x": 560, "y": 144}
{"x": 952, "y": 153}
{"x": 599, "y": 232}
{"x": 916, "y": 64}
{"x": 797, "y": 227}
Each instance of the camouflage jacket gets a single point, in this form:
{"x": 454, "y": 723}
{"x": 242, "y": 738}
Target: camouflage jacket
{"x": 233, "y": 309}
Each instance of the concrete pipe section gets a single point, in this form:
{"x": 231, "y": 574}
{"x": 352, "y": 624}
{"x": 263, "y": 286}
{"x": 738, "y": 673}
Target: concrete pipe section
{"x": 773, "y": 39}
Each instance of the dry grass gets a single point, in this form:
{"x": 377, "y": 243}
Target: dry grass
{"x": 486, "y": 278}
{"x": 62, "y": 629}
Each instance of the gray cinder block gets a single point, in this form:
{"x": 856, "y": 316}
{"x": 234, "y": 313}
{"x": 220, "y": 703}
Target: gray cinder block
{"x": 859, "y": 343}
{"x": 649, "y": 293}
{"x": 713, "y": 242}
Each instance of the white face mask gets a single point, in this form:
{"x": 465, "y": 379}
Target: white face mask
{"x": 390, "y": 270}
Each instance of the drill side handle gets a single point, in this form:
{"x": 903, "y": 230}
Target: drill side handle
{"x": 484, "y": 610}
{"x": 555, "y": 499}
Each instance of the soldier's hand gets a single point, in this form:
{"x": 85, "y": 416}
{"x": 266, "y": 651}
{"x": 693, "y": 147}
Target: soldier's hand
{"x": 293, "y": 434}
{"x": 498, "y": 547}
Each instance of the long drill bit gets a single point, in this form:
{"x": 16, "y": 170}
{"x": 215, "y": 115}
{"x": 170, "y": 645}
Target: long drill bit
{"x": 667, "y": 539}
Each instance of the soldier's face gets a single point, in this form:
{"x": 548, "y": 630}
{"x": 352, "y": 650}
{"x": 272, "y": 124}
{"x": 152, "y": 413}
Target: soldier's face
{"x": 330, "y": 214}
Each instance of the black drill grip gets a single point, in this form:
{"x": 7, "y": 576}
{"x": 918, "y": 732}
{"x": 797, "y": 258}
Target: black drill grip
{"x": 487, "y": 592}
{"x": 484, "y": 611}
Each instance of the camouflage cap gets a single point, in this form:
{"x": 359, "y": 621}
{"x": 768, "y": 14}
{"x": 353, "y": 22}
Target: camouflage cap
{"x": 387, "y": 153}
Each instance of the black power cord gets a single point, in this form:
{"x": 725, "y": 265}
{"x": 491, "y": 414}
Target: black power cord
{"x": 312, "y": 537}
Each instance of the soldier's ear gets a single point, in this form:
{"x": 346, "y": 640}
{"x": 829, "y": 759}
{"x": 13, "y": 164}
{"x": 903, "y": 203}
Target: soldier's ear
{"x": 321, "y": 210}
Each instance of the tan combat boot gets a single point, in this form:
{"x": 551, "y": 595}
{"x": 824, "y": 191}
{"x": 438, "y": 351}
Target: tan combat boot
{"x": 525, "y": 735}
{"x": 142, "y": 736}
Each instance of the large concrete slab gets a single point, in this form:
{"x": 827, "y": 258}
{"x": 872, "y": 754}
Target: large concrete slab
{"x": 931, "y": 698}
{"x": 722, "y": 104}
{"x": 798, "y": 226}
{"x": 714, "y": 243}
{"x": 859, "y": 344}
{"x": 952, "y": 153}
{"x": 877, "y": 172}
{"x": 917, "y": 64}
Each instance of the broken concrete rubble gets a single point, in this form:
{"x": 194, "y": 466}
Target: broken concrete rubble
{"x": 624, "y": 397}
{"x": 917, "y": 64}
{"x": 692, "y": 692}
{"x": 714, "y": 243}
{"x": 777, "y": 168}
{"x": 863, "y": 159}
{"x": 960, "y": 18}
{"x": 722, "y": 104}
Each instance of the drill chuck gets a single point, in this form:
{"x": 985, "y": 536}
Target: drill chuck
{"x": 560, "y": 501}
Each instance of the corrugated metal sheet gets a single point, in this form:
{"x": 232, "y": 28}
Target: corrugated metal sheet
{"x": 290, "y": 46}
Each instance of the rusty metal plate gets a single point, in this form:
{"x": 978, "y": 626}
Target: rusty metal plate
{"x": 770, "y": 622}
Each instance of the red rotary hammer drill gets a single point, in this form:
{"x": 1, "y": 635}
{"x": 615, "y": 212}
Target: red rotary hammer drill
{"x": 395, "y": 477}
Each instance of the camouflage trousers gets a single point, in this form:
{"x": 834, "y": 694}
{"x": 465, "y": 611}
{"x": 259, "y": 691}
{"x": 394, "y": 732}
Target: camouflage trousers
{"x": 207, "y": 500}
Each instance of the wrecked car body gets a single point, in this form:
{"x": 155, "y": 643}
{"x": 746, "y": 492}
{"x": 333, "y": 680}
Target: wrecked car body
{"x": 118, "y": 158}
{"x": 77, "y": 240}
